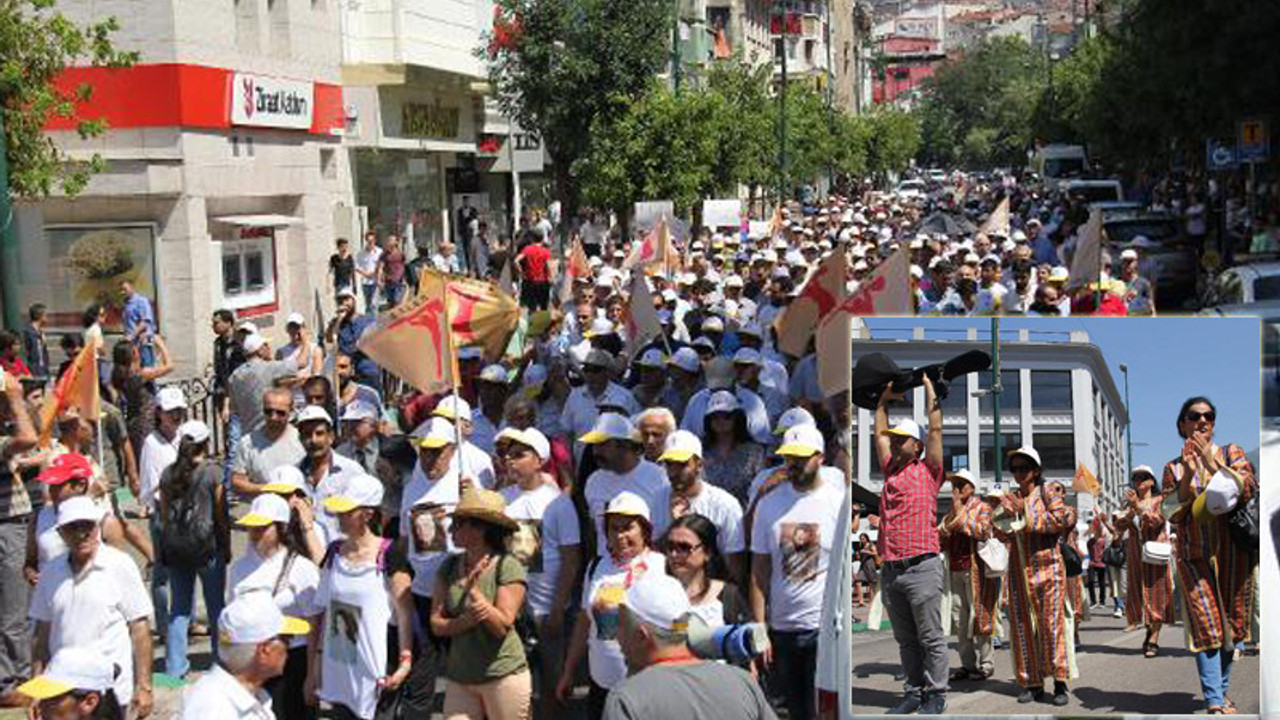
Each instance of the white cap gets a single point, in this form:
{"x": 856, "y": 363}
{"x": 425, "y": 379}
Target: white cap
{"x": 604, "y": 282}
{"x": 361, "y": 491}
{"x": 253, "y": 618}
{"x": 733, "y": 281}
{"x": 313, "y": 413}
{"x": 360, "y": 410}
{"x": 529, "y": 437}
{"x": 746, "y": 356}
{"x": 598, "y": 326}
{"x": 670, "y": 295}
{"x": 752, "y": 328}
{"x": 1019, "y": 236}
{"x": 712, "y": 324}
{"x": 610, "y": 426}
{"x": 295, "y": 318}
{"x": 1144, "y": 468}
{"x": 1129, "y": 254}
{"x": 254, "y": 343}
{"x": 686, "y": 358}
{"x": 917, "y": 272}
{"x": 494, "y": 373}
{"x": 452, "y": 408}
{"x": 802, "y": 441}
{"x": 170, "y": 398}
{"x": 628, "y": 503}
{"x": 1008, "y": 246}
{"x": 285, "y": 480}
{"x": 704, "y": 342}
{"x": 652, "y": 358}
{"x": 905, "y": 428}
{"x": 1222, "y": 494}
{"x": 793, "y": 417}
{"x": 963, "y": 475}
{"x": 1059, "y": 273}
{"x": 535, "y": 376}
{"x": 267, "y": 508}
{"x": 991, "y": 258}
{"x": 971, "y": 259}
{"x": 722, "y": 401}
{"x": 470, "y": 352}
{"x": 248, "y": 327}
{"x": 681, "y": 445}
{"x": 861, "y": 266}
{"x": 661, "y": 601}
{"x": 194, "y": 430}
{"x": 78, "y": 509}
{"x": 1028, "y": 452}
{"x": 435, "y": 433}
{"x": 72, "y": 668}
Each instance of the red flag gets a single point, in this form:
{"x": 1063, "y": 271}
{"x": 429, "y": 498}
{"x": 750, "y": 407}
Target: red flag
{"x": 479, "y": 313}
{"x": 640, "y": 319}
{"x": 821, "y": 294}
{"x": 413, "y": 340}
{"x": 655, "y": 251}
{"x": 77, "y": 388}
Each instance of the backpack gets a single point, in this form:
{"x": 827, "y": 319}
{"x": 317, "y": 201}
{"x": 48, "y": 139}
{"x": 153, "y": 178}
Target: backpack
{"x": 188, "y": 538}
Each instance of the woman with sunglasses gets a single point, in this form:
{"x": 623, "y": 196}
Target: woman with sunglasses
{"x": 1150, "y": 586}
{"x": 1037, "y": 579}
{"x": 1216, "y": 575}
{"x": 275, "y": 562}
{"x": 732, "y": 458}
{"x": 694, "y": 560}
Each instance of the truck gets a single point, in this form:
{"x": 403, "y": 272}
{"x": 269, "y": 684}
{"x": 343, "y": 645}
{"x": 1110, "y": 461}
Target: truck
{"x": 1056, "y": 163}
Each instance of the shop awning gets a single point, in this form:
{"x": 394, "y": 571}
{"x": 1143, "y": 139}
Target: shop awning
{"x": 258, "y": 220}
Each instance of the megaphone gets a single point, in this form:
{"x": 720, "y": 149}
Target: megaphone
{"x": 736, "y": 643}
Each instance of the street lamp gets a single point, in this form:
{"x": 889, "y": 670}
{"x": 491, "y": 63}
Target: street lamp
{"x": 1128, "y": 419}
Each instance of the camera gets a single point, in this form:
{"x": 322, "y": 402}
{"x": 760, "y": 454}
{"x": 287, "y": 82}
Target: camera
{"x": 734, "y": 643}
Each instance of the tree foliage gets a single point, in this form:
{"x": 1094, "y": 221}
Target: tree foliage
{"x": 36, "y": 44}
{"x": 562, "y": 67}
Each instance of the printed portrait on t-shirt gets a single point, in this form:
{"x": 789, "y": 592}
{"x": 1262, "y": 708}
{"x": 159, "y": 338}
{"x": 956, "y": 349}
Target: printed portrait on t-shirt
{"x": 342, "y": 643}
{"x": 429, "y": 534}
{"x": 799, "y": 543}
{"x": 604, "y": 609}
{"x": 526, "y": 544}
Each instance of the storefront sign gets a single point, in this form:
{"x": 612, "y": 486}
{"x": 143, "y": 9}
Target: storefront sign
{"x": 264, "y": 101}
{"x": 432, "y": 120}
{"x": 525, "y": 148}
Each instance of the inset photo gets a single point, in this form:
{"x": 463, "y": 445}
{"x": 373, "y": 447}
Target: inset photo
{"x": 1057, "y": 517}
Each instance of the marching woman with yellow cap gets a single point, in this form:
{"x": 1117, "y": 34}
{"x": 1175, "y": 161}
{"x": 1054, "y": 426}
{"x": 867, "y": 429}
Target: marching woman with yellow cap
{"x": 475, "y": 604}
{"x": 1037, "y": 580}
{"x": 275, "y": 563}
{"x": 364, "y": 587}
{"x": 1216, "y": 575}
{"x": 76, "y": 685}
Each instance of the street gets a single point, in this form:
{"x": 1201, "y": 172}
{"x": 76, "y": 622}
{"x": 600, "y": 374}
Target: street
{"x": 1114, "y": 677}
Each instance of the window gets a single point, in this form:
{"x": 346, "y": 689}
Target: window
{"x": 955, "y": 452}
{"x": 1010, "y": 392}
{"x": 248, "y": 269}
{"x": 956, "y": 403}
{"x": 987, "y": 446}
{"x": 1050, "y": 390}
{"x": 328, "y": 164}
{"x": 1057, "y": 451}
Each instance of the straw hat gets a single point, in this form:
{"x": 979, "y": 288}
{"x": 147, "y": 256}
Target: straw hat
{"x": 486, "y": 506}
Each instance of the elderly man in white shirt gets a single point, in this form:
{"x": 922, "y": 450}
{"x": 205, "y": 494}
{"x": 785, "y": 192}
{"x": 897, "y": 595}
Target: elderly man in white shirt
{"x": 254, "y": 650}
{"x": 93, "y": 597}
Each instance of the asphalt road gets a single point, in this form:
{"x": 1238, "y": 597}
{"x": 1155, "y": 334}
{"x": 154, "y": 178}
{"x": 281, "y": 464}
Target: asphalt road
{"x": 1114, "y": 677}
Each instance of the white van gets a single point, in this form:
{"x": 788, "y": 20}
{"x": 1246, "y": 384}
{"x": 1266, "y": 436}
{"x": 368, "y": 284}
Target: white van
{"x": 1055, "y": 163}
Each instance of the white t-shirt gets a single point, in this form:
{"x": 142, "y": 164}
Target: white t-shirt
{"x": 93, "y": 609}
{"x": 357, "y": 607}
{"x": 219, "y": 696}
{"x": 711, "y": 502}
{"x": 297, "y": 589}
{"x": 157, "y": 454}
{"x": 645, "y": 480}
{"x": 826, "y": 472}
{"x": 367, "y": 262}
{"x": 547, "y": 523}
{"x": 796, "y": 531}
{"x": 605, "y": 592}
{"x": 427, "y": 553}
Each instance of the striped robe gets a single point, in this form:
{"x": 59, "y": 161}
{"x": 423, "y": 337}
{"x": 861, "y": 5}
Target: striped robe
{"x": 1150, "y": 586}
{"x": 1037, "y": 583}
{"x": 974, "y": 522}
{"x": 1216, "y": 577}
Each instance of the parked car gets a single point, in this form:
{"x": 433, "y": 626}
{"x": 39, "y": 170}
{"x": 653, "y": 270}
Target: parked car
{"x": 1095, "y": 191}
{"x": 1118, "y": 210}
{"x": 1167, "y": 259}
{"x": 1245, "y": 285}
{"x": 909, "y": 189}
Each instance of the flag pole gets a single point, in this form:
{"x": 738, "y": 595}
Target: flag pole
{"x": 457, "y": 388}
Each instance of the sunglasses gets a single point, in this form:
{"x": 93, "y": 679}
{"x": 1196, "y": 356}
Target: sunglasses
{"x": 680, "y": 548}
{"x": 1194, "y": 416}
{"x": 1021, "y": 468}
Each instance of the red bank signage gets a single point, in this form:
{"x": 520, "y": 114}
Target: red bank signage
{"x": 264, "y": 101}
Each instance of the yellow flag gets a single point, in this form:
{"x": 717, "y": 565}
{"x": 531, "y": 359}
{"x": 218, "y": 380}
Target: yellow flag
{"x": 77, "y": 388}
{"x": 413, "y": 340}
{"x": 1085, "y": 481}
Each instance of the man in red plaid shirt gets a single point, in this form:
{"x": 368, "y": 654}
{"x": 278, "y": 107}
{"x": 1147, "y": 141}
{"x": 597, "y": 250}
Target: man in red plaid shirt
{"x": 912, "y": 570}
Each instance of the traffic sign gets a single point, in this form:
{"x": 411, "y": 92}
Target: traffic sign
{"x": 1253, "y": 143}
{"x": 1222, "y": 155}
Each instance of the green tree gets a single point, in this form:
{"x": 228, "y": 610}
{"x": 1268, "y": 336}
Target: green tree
{"x": 978, "y": 109}
{"x": 36, "y": 44}
{"x": 893, "y": 139}
{"x": 748, "y": 149}
{"x": 562, "y": 67}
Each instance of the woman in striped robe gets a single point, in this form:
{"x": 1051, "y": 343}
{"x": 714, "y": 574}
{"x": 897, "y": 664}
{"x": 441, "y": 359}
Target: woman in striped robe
{"x": 1150, "y": 586}
{"x": 1037, "y": 582}
{"x": 1215, "y": 575}
{"x": 964, "y": 528}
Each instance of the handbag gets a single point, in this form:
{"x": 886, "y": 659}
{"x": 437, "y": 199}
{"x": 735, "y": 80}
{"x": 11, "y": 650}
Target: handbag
{"x": 1071, "y": 558}
{"x": 995, "y": 557}
{"x": 1242, "y": 525}
{"x": 1156, "y": 553}
{"x": 1114, "y": 556}
{"x": 391, "y": 705}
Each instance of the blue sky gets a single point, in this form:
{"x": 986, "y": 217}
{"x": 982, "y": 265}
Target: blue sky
{"x": 1169, "y": 359}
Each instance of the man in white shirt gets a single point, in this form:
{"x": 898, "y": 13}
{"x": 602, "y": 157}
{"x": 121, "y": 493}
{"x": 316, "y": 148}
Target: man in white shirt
{"x": 791, "y": 541}
{"x": 367, "y": 260}
{"x": 581, "y": 409}
{"x": 274, "y": 444}
{"x": 159, "y": 450}
{"x": 470, "y": 460}
{"x": 93, "y": 597}
{"x": 254, "y": 650}
{"x": 687, "y": 494}
{"x": 325, "y": 473}
{"x": 492, "y": 392}
{"x": 617, "y": 448}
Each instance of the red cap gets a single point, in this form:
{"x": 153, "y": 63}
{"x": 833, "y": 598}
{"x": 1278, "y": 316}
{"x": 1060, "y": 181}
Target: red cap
{"x": 67, "y": 466}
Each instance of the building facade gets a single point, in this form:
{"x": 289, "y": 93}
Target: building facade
{"x": 224, "y": 171}
{"x": 1057, "y": 396}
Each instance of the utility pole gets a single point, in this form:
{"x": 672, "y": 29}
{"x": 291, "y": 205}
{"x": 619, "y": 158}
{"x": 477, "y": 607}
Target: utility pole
{"x": 996, "y": 389}
{"x": 676, "y": 69}
{"x": 782, "y": 108}
{"x": 8, "y": 242}
{"x": 831, "y": 118}
{"x": 1128, "y": 421}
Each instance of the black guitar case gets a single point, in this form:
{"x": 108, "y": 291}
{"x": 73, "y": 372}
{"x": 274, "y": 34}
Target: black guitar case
{"x": 876, "y": 370}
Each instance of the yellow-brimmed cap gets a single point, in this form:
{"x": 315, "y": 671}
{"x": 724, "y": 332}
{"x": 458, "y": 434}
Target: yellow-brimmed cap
{"x": 681, "y": 446}
{"x": 801, "y": 441}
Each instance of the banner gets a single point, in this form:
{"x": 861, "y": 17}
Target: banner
{"x": 77, "y": 388}
{"x": 1086, "y": 264}
{"x": 722, "y": 213}
{"x": 998, "y": 222}
{"x": 655, "y": 252}
{"x": 641, "y": 319}
{"x": 412, "y": 340}
{"x": 479, "y": 313}
{"x": 821, "y": 294}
